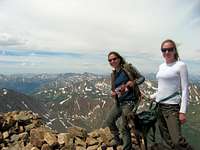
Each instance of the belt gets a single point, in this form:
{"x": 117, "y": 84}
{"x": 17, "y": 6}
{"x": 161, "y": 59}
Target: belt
{"x": 167, "y": 105}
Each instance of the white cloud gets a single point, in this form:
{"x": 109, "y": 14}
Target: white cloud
{"x": 128, "y": 26}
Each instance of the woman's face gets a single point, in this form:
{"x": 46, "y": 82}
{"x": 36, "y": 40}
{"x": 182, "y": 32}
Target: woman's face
{"x": 114, "y": 61}
{"x": 168, "y": 52}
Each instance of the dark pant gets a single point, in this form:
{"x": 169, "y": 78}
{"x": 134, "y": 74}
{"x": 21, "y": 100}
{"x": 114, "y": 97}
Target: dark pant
{"x": 116, "y": 112}
{"x": 170, "y": 127}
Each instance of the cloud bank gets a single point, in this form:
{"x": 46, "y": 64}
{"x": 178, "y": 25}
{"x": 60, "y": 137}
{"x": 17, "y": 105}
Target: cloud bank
{"x": 90, "y": 29}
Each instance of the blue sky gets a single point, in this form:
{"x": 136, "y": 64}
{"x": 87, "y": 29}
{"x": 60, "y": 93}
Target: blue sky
{"x": 54, "y": 36}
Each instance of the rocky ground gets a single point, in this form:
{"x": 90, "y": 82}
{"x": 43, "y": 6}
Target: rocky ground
{"x": 24, "y": 130}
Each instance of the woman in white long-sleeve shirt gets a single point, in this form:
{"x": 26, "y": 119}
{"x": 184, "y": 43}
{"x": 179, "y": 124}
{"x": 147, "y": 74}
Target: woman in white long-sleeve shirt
{"x": 172, "y": 77}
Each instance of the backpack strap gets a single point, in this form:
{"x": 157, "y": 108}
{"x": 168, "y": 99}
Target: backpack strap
{"x": 170, "y": 96}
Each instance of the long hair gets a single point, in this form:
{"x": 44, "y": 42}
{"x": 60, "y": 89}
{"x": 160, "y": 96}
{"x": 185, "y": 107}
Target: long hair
{"x": 122, "y": 60}
{"x": 176, "y": 55}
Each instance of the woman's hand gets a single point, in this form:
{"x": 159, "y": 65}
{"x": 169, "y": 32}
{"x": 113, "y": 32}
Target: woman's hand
{"x": 182, "y": 118}
{"x": 130, "y": 84}
{"x": 113, "y": 94}
{"x": 123, "y": 89}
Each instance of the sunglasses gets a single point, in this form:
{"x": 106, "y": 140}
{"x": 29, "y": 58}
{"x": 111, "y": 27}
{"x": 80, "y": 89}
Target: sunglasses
{"x": 167, "y": 49}
{"x": 113, "y": 59}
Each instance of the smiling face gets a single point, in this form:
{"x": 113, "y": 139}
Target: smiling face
{"x": 114, "y": 61}
{"x": 168, "y": 52}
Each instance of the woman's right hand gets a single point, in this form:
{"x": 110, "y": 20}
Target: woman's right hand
{"x": 182, "y": 118}
{"x": 113, "y": 94}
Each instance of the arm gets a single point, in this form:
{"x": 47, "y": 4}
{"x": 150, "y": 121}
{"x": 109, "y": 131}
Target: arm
{"x": 139, "y": 78}
{"x": 185, "y": 93}
{"x": 134, "y": 75}
{"x": 184, "y": 88}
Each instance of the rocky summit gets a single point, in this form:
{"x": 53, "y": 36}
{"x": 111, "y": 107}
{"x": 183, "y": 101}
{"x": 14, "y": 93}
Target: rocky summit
{"x": 24, "y": 130}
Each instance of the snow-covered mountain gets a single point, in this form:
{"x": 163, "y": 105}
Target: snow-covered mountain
{"x": 79, "y": 99}
{"x": 11, "y": 100}
{"x": 76, "y": 99}
{"x": 85, "y": 99}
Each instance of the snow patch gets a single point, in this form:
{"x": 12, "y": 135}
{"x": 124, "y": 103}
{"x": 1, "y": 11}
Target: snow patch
{"x": 8, "y": 106}
{"x": 25, "y": 105}
{"x": 5, "y": 91}
{"x": 88, "y": 89}
{"x": 63, "y": 101}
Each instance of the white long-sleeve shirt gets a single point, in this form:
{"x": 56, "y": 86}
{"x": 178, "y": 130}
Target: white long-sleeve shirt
{"x": 171, "y": 78}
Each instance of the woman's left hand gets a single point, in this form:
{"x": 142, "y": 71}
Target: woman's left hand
{"x": 182, "y": 118}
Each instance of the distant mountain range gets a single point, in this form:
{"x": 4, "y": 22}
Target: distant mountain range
{"x": 30, "y": 83}
{"x": 65, "y": 100}
{"x": 25, "y": 83}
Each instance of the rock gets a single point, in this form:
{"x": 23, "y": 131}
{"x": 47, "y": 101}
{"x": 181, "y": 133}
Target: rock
{"x": 80, "y": 148}
{"x": 94, "y": 134}
{"x": 25, "y": 131}
{"x": 91, "y": 141}
{"x": 94, "y": 147}
{"x": 109, "y": 148}
{"x": 14, "y": 138}
{"x": 37, "y": 137}
{"x": 16, "y": 146}
{"x": 119, "y": 147}
{"x": 50, "y": 138}
{"x": 5, "y": 134}
{"x": 100, "y": 140}
{"x": 24, "y": 137}
{"x": 10, "y": 120}
{"x": 64, "y": 138}
{"x": 36, "y": 121}
{"x": 34, "y": 148}
{"x": 106, "y": 135}
{"x": 29, "y": 127}
{"x": 69, "y": 147}
{"x": 77, "y": 132}
{"x": 80, "y": 142}
{"x": 21, "y": 129}
{"x": 23, "y": 116}
{"x": 71, "y": 143}
{"x": 28, "y": 147}
{"x": 45, "y": 147}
